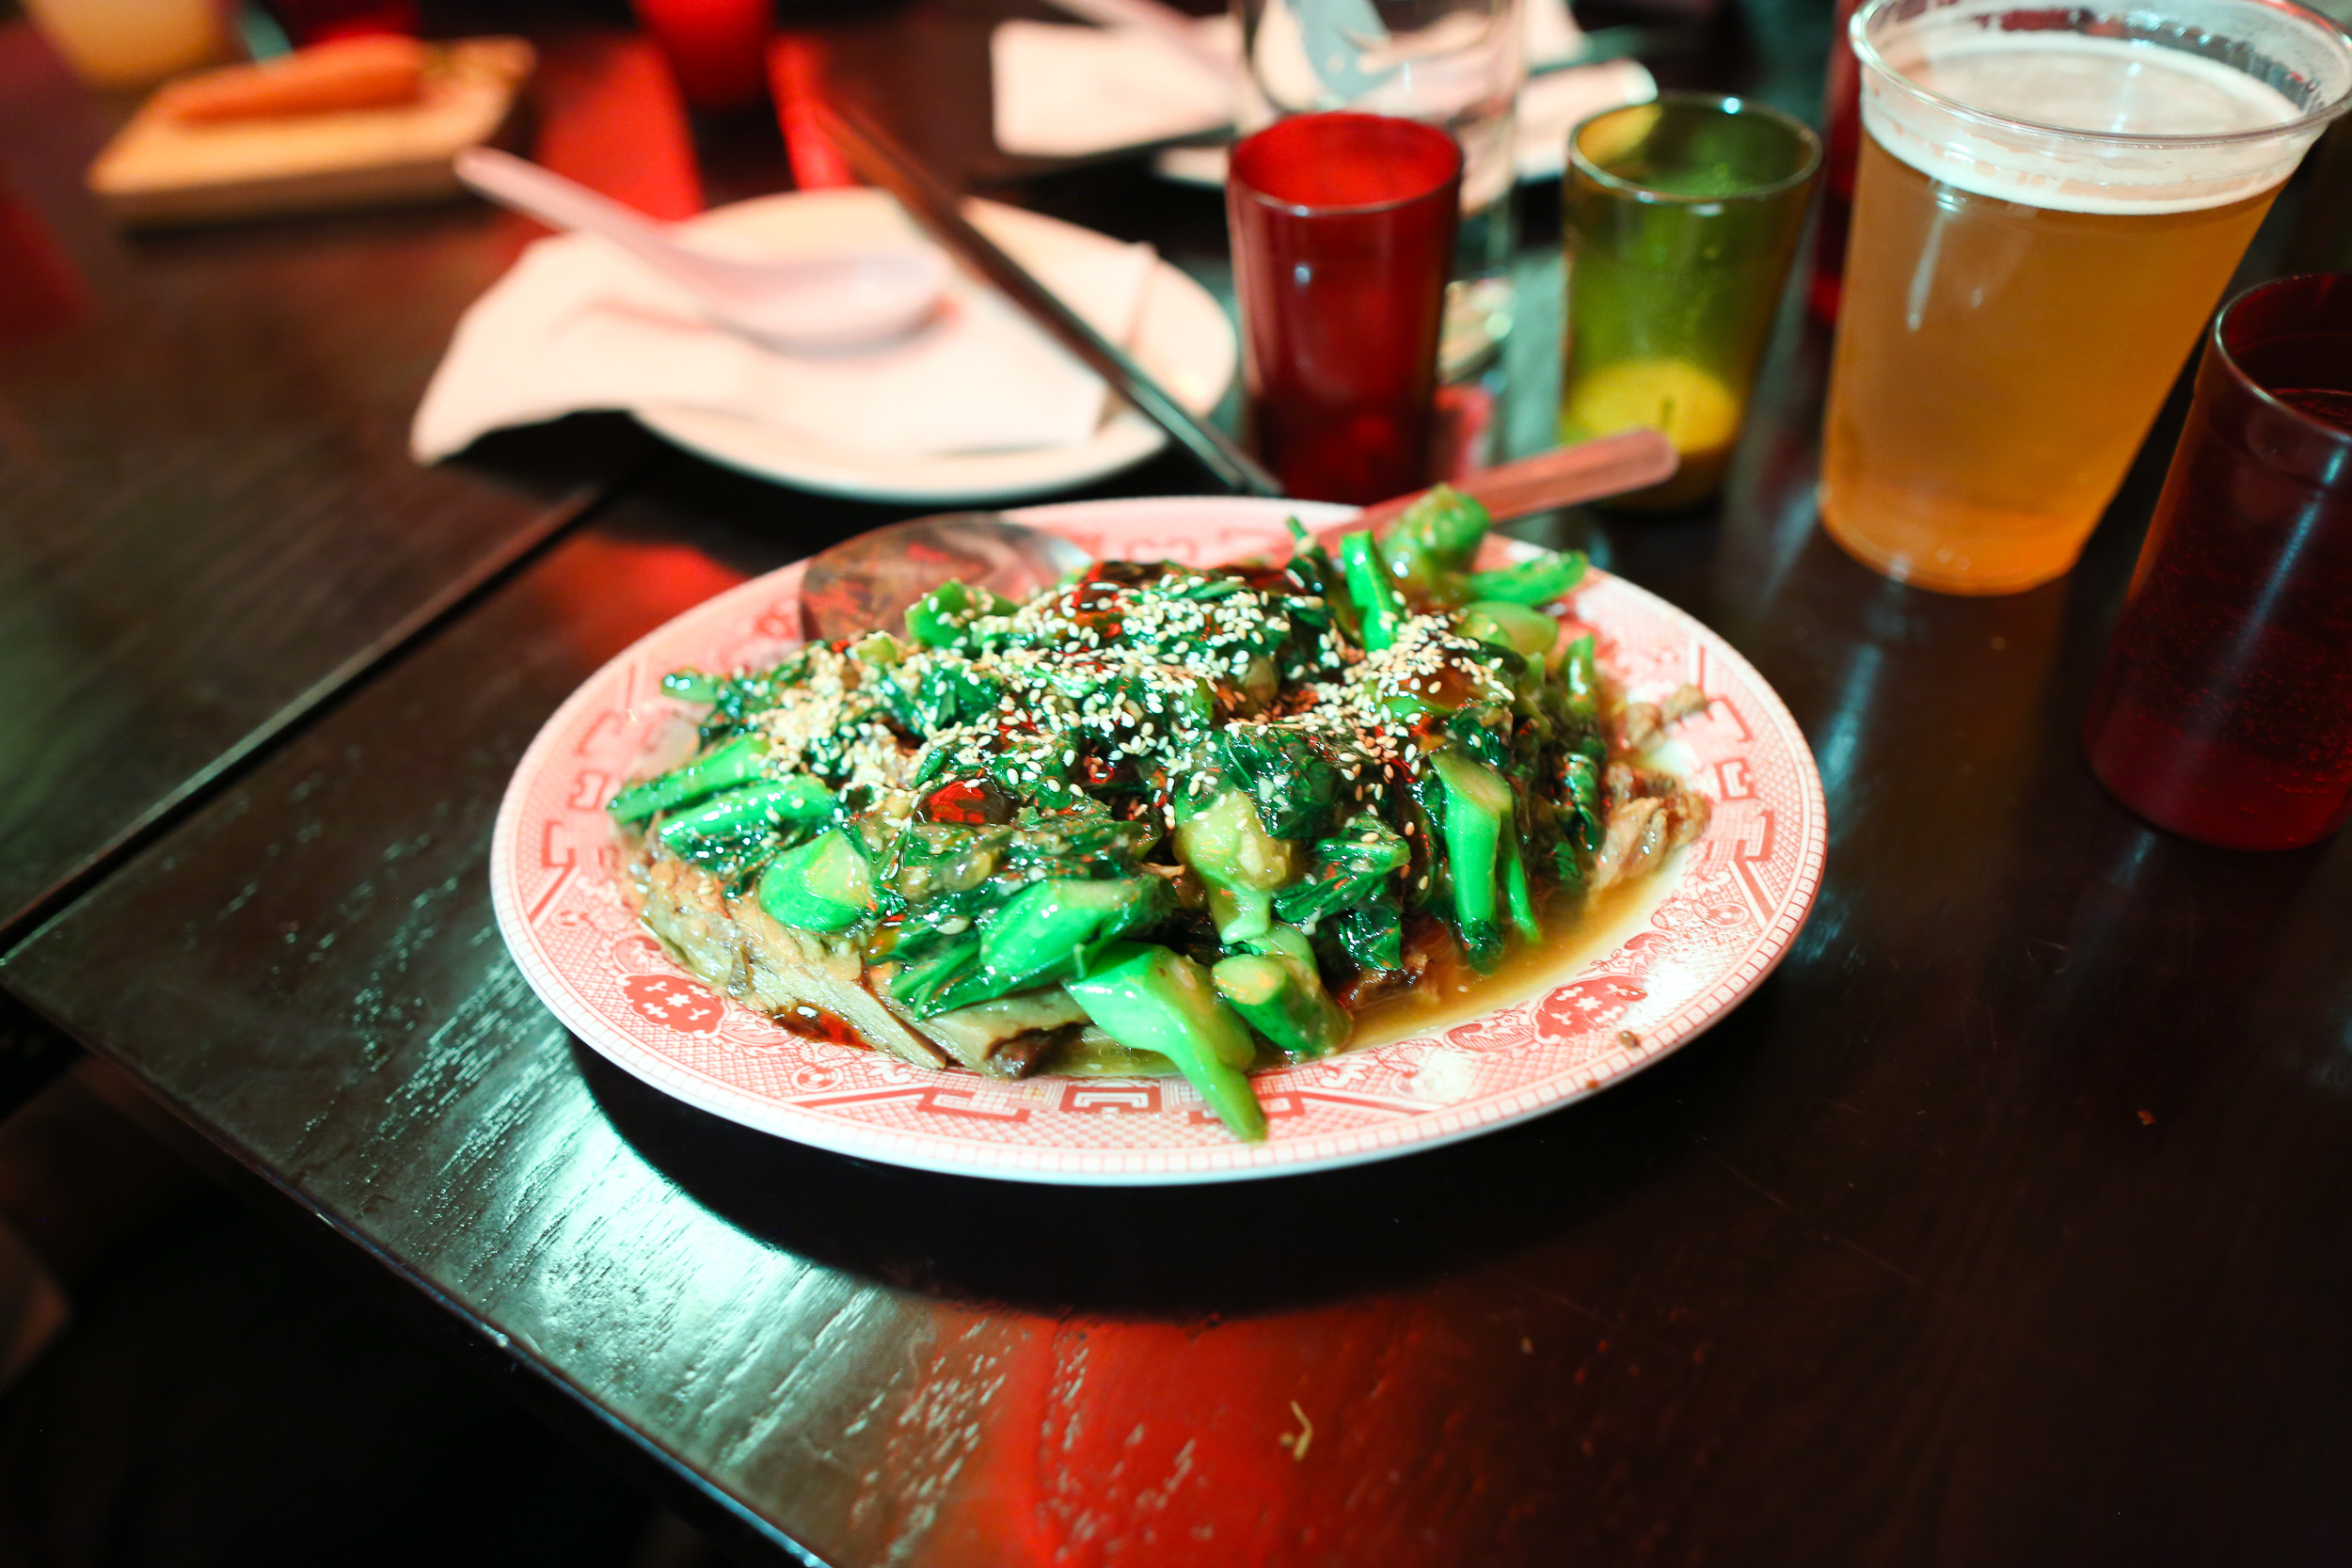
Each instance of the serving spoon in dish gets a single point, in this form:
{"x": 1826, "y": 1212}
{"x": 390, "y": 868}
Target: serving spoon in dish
{"x": 869, "y": 581}
{"x": 829, "y": 301}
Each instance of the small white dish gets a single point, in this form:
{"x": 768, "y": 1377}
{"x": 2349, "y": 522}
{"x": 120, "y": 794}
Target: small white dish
{"x": 1182, "y": 337}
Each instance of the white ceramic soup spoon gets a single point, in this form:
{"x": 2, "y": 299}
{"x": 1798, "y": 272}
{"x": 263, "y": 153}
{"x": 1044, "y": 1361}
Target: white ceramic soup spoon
{"x": 826, "y": 301}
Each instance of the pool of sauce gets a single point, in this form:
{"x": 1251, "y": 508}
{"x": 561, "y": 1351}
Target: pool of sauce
{"x": 1452, "y": 994}
{"x": 1449, "y": 993}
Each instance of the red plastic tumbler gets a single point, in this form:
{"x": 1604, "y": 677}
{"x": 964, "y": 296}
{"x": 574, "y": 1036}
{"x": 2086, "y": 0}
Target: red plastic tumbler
{"x": 2224, "y": 712}
{"x": 718, "y": 49}
{"x": 310, "y": 22}
{"x": 1342, "y": 230}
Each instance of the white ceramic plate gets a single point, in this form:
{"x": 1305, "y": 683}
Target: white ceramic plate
{"x": 1715, "y": 923}
{"x": 1183, "y": 338}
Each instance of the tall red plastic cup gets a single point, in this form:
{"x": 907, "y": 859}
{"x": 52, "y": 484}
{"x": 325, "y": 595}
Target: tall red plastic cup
{"x": 2224, "y": 711}
{"x": 1841, "y": 160}
{"x": 310, "y": 22}
{"x": 718, "y": 49}
{"x": 1342, "y": 230}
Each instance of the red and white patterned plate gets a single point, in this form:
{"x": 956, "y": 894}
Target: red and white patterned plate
{"x": 1724, "y": 914}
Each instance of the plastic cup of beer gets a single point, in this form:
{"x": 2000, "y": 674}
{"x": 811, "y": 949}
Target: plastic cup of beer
{"x": 1682, "y": 217}
{"x": 2050, "y": 203}
{"x": 2224, "y": 710}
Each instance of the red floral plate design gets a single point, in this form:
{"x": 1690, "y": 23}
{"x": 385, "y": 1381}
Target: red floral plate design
{"x": 1714, "y": 924}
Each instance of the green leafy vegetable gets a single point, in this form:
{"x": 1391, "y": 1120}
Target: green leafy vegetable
{"x": 1550, "y": 576}
{"x": 737, "y": 761}
{"x": 1148, "y": 998}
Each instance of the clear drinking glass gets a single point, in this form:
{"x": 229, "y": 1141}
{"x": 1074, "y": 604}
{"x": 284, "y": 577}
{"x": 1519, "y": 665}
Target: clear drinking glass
{"x": 2224, "y": 711}
{"x": 2049, "y": 204}
{"x": 1454, "y": 64}
{"x": 1681, "y": 218}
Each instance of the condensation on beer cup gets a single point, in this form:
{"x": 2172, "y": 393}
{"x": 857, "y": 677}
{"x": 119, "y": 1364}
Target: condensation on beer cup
{"x": 2127, "y": 124}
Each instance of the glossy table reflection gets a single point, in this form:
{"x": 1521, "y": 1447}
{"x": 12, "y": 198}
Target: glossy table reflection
{"x": 2004, "y": 1224}
{"x": 208, "y": 521}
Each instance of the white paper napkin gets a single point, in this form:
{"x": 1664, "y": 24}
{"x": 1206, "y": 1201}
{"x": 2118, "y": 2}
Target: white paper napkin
{"x": 577, "y": 325}
{"x": 1066, "y": 91}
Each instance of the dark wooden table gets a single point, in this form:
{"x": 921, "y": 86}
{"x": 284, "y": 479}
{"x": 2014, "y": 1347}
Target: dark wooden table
{"x": 207, "y": 519}
{"x": 2006, "y": 1224}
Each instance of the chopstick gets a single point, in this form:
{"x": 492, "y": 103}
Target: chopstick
{"x": 1561, "y": 477}
{"x": 874, "y": 154}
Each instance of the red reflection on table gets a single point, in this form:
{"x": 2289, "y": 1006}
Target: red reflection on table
{"x": 40, "y": 291}
{"x": 1088, "y": 1442}
{"x": 2224, "y": 711}
{"x": 575, "y": 585}
{"x": 1342, "y": 230}
{"x": 796, "y": 79}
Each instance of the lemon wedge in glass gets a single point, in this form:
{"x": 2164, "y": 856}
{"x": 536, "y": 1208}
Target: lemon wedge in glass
{"x": 1696, "y": 411}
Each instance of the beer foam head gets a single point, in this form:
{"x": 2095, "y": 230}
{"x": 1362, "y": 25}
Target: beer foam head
{"x": 2058, "y": 118}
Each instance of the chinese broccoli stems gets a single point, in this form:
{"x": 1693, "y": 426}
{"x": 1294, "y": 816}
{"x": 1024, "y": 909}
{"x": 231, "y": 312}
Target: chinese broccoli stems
{"x": 1519, "y": 898}
{"x": 1148, "y": 998}
{"x": 1578, "y": 818}
{"x": 1530, "y": 582}
{"x": 1477, "y": 816}
{"x": 1229, "y": 848}
{"x": 931, "y": 966}
{"x": 738, "y": 762}
{"x": 1310, "y": 562}
{"x": 752, "y": 808}
{"x": 821, "y": 886}
{"x": 1579, "y": 675}
{"x": 1529, "y": 633}
{"x": 1314, "y": 567}
{"x": 1433, "y": 540}
{"x": 878, "y": 649}
{"x": 1578, "y": 693}
{"x": 939, "y": 618}
{"x": 1054, "y": 930}
{"x": 1278, "y": 992}
{"x": 1379, "y": 607}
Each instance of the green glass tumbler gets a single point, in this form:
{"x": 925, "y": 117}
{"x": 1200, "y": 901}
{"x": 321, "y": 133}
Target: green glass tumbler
{"x": 1682, "y": 217}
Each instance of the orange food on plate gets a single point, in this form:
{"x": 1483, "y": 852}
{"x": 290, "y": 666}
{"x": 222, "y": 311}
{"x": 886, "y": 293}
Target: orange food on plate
{"x": 377, "y": 73}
